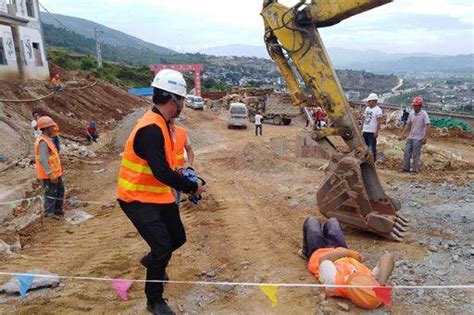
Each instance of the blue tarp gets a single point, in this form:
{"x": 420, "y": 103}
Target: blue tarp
{"x": 141, "y": 91}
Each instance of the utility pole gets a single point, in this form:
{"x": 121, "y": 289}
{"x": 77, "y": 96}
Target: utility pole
{"x": 97, "y": 47}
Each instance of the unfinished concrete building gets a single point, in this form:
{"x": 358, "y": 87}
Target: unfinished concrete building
{"x": 22, "y": 49}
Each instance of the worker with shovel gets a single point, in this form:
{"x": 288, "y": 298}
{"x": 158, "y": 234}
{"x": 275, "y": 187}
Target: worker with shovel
{"x": 49, "y": 169}
{"x": 146, "y": 181}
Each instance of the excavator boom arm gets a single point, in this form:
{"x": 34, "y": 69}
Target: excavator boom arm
{"x": 352, "y": 192}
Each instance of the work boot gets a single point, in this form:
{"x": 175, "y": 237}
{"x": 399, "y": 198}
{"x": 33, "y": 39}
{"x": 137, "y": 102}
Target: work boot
{"x": 160, "y": 309}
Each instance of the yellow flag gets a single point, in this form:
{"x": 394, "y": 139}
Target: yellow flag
{"x": 271, "y": 293}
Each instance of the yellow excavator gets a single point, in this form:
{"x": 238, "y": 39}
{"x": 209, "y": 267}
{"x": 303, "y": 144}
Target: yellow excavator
{"x": 352, "y": 191}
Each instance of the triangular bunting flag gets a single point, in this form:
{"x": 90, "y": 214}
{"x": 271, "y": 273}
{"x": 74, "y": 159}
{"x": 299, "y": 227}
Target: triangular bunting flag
{"x": 385, "y": 295}
{"x": 271, "y": 293}
{"x": 122, "y": 286}
{"x": 25, "y": 284}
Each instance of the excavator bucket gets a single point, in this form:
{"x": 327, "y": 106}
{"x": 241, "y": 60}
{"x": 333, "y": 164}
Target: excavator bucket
{"x": 353, "y": 194}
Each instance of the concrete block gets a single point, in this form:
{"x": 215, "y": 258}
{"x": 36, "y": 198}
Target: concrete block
{"x": 306, "y": 147}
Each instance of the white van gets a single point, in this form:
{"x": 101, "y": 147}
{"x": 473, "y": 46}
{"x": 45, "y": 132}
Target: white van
{"x": 238, "y": 115}
{"x": 195, "y": 102}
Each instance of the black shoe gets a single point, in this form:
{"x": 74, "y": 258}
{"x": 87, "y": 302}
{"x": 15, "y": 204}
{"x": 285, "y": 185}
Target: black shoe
{"x": 59, "y": 213}
{"x": 160, "y": 309}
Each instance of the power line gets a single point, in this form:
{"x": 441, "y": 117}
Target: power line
{"x": 53, "y": 17}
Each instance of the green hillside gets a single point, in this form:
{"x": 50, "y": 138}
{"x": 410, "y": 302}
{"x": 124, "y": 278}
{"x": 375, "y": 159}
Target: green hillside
{"x": 108, "y": 35}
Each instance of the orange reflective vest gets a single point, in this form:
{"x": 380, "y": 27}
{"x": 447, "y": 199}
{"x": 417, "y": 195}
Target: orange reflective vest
{"x": 136, "y": 181}
{"x": 54, "y": 160}
{"x": 348, "y": 269}
{"x": 345, "y": 268}
{"x": 179, "y": 145}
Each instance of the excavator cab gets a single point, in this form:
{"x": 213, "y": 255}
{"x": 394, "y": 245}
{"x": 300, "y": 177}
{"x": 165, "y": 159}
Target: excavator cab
{"x": 352, "y": 191}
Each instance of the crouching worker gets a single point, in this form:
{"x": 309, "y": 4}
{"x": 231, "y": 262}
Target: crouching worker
{"x": 49, "y": 170}
{"x": 91, "y": 132}
{"x": 332, "y": 263}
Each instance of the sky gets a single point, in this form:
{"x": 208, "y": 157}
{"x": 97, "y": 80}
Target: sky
{"x": 403, "y": 26}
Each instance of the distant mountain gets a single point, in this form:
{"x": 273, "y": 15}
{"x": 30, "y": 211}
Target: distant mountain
{"x": 238, "y": 50}
{"x": 108, "y": 36}
{"x": 369, "y": 60}
{"x": 458, "y": 64}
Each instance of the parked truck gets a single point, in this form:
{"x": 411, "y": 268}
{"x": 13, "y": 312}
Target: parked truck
{"x": 277, "y": 108}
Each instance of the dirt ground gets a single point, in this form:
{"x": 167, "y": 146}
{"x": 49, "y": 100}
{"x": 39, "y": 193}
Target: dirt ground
{"x": 248, "y": 229}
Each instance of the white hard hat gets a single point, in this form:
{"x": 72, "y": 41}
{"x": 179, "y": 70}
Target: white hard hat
{"x": 372, "y": 97}
{"x": 170, "y": 81}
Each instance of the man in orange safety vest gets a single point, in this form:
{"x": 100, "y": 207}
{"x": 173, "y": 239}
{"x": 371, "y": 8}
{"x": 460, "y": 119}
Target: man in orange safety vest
{"x": 147, "y": 179}
{"x": 48, "y": 167}
{"x": 332, "y": 263}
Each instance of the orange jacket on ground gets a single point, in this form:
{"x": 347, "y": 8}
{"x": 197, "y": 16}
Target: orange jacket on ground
{"x": 136, "y": 181}
{"x": 179, "y": 145}
{"x": 349, "y": 272}
{"x": 54, "y": 160}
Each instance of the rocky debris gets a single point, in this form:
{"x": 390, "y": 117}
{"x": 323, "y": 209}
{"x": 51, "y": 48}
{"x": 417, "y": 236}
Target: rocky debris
{"x": 322, "y": 297}
{"x": 13, "y": 286}
{"x": 77, "y": 216}
{"x": 75, "y": 149}
{"x": 444, "y": 222}
{"x": 343, "y": 306}
{"x": 393, "y": 120}
{"x": 9, "y": 249}
{"x": 26, "y": 163}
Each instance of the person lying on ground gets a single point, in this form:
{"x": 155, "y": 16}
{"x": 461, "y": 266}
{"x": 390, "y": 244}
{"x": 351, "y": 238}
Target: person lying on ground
{"x": 332, "y": 263}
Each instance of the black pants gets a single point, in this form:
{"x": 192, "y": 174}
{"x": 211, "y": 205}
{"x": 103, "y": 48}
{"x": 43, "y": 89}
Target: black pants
{"x": 257, "y": 128}
{"x": 53, "y": 196}
{"x": 93, "y": 137}
{"x": 162, "y": 229}
{"x": 315, "y": 238}
{"x": 371, "y": 142}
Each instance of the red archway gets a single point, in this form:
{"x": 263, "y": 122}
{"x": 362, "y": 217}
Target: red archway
{"x": 196, "y": 68}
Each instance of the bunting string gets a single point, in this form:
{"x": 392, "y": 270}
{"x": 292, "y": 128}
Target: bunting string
{"x": 243, "y": 284}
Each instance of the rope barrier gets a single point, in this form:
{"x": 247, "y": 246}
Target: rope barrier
{"x": 72, "y": 200}
{"x": 241, "y": 284}
{"x": 46, "y": 96}
{"x": 27, "y": 100}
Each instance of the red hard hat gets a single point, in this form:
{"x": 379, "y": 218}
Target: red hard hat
{"x": 417, "y": 101}
{"x": 45, "y": 122}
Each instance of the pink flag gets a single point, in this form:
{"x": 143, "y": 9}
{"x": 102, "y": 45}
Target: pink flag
{"x": 122, "y": 286}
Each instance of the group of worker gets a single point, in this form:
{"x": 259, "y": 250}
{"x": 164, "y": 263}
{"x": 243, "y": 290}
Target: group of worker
{"x": 416, "y": 124}
{"x": 148, "y": 188}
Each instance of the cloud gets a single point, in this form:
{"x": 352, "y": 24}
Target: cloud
{"x": 435, "y": 26}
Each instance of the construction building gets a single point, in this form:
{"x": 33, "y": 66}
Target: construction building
{"x": 22, "y": 49}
